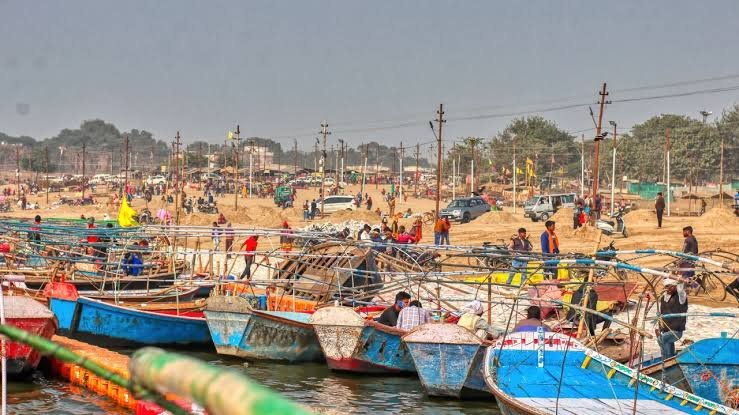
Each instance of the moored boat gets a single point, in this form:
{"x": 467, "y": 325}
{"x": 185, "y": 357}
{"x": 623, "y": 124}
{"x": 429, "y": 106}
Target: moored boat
{"x": 238, "y": 329}
{"x": 112, "y": 324}
{"x": 549, "y": 373}
{"x": 351, "y": 343}
{"x": 30, "y": 315}
{"x": 448, "y": 359}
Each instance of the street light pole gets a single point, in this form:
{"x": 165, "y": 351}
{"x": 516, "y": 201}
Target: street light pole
{"x": 613, "y": 168}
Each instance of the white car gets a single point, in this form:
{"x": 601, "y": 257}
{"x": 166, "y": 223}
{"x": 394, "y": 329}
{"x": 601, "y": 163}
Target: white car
{"x": 155, "y": 180}
{"x": 338, "y": 203}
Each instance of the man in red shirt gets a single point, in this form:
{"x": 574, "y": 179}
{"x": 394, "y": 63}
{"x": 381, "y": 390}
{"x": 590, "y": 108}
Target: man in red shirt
{"x": 250, "y": 246}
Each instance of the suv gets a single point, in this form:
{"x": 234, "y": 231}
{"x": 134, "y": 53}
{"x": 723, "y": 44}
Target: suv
{"x": 465, "y": 209}
{"x": 155, "y": 180}
{"x": 544, "y": 206}
{"x": 337, "y": 203}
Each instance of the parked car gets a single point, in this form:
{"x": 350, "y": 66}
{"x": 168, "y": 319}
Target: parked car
{"x": 544, "y": 206}
{"x": 155, "y": 180}
{"x": 337, "y": 203}
{"x": 465, "y": 209}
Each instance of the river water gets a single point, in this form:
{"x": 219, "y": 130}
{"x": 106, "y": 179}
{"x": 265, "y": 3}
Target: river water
{"x": 311, "y": 384}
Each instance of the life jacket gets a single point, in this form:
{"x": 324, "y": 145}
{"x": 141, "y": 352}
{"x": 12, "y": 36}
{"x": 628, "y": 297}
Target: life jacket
{"x": 673, "y": 306}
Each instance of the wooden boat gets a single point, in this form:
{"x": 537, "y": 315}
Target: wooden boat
{"x": 27, "y": 314}
{"x": 448, "y": 359}
{"x": 351, "y": 343}
{"x": 538, "y": 373}
{"x": 169, "y": 294}
{"x": 238, "y": 329}
{"x": 112, "y": 324}
{"x": 708, "y": 368}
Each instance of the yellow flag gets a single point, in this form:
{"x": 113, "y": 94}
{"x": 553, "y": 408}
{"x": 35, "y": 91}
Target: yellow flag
{"x": 126, "y": 215}
{"x": 529, "y": 162}
{"x": 230, "y": 135}
{"x": 518, "y": 170}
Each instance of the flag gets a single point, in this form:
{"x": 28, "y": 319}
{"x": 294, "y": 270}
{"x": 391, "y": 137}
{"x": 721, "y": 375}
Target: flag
{"x": 518, "y": 170}
{"x": 126, "y": 215}
{"x": 230, "y": 135}
{"x": 530, "y": 168}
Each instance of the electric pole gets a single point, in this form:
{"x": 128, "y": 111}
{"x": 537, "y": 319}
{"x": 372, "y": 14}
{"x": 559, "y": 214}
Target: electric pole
{"x": 18, "y": 171}
{"x": 236, "y": 169}
{"x": 598, "y": 137}
{"x": 125, "y": 167}
{"x": 418, "y": 151}
{"x": 295, "y": 157}
{"x": 46, "y": 167}
{"x": 721, "y": 176}
{"x": 377, "y": 166}
{"x": 176, "y": 177}
{"x": 667, "y": 155}
{"x": 400, "y": 172}
{"x": 251, "y": 161}
{"x": 84, "y": 151}
{"x": 364, "y": 168}
{"x": 325, "y": 133}
{"x": 440, "y": 120}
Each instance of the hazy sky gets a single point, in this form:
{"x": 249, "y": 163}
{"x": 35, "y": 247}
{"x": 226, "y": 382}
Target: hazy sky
{"x": 278, "y": 68}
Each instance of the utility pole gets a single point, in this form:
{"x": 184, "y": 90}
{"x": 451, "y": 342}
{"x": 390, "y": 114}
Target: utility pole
{"x": 340, "y": 173}
{"x": 236, "y": 170}
{"x": 515, "y": 175}
{"x": 613, "y": 169}
{"x": 325, "y": 132}
{"x": 721, "y": 176}
{"x": 582, "y": 166}
{"x": 18, "y": 170}
{"x": 200, "y": 156}
{"x": 46, "y": 167}
{"x": 295, "y": 157}
{"x": 667, "y": 154}
{"x": 454, "y": 178}
{"x": 251, "y": 161}
{"x": 84, "y": 153}
{"x": 377, "y": 165}
{"x": 400, "y": 179}
{"x": 125, "y": 167}
{"x": 364, "y": 168}
{"x": 440, "y": 120}
{"x": 176, "y": 153}
{"x": 598, "y": 137}
{"x": 418, "y": 151}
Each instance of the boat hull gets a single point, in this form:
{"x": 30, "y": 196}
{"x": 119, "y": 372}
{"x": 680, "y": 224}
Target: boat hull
{"x": 448, "y": 359}
{"x": 238, "y": 330}
{"x": 352, "y": 344}
{"x": 711, "y": 367}
{"x": 33, "y": 317}
{"x": 552, "y": 374}
{"x": 115, "y": 325}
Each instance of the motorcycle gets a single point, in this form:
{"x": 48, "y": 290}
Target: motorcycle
{"x": 611, "y": 227}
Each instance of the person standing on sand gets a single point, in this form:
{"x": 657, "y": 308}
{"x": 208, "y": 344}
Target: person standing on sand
{"x": 229, "y": 239}
{"x": 659, "y": 206}
{"x": 250, "y": 247}
{"x": 369, "y": 203}
{"x": 520, "y": 244}
{"x": 216, "y": 236}
{"x": 549, "y": 247}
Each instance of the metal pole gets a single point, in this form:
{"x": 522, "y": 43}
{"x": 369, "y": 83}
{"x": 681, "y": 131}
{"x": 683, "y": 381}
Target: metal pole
{"x": 613, "y": 171}
{"x": 364, "y": 169}
{"x": 454, "y": 179}
{"x": 439, "y": 166}
{"x": 236, "y": 170}
{"x": 46, "y": 167}
{"x": 18, "y": 171}
{"x": 721, "y": 176}
{"x": 669, "y": 198}
{"x": 596, "y": 166}
{"x": 84, "y": 151}
{"x": 515, "y": 175}
{"x": 582, "y": 167}
{"x": 400, "y": 183}
{"x": 325, "y": 133}
{"x": 251, "y": 160}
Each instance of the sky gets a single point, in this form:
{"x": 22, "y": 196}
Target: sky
{"x": 375, "y": 71}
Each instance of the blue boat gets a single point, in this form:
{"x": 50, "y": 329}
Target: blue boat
{"x": 448, "y": 359}
{"x": 548, "y": 373}
{"x": 352, "y": 344}
{"x": 238, "y": 329}
{"x": 114, "y": 325}
{"x": 711, "y": 367}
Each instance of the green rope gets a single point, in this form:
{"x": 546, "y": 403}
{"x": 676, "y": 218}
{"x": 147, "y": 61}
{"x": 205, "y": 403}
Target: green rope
{"x": 222, "y": 391}
{"x": 49, "y": 348}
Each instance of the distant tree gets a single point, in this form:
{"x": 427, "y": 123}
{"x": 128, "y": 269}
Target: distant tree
{"x": 35, "y": 161}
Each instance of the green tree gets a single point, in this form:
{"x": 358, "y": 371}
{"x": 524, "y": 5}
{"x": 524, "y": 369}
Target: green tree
{"x": 36, "y": 162}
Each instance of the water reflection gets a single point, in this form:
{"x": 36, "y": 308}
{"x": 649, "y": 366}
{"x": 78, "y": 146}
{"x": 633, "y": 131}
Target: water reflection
{"x": 311, "y": 384}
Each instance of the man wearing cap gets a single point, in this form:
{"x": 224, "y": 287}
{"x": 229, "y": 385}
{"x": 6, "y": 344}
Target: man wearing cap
{"x": 519, "y": 244}
{"x": 674, "y": 300}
